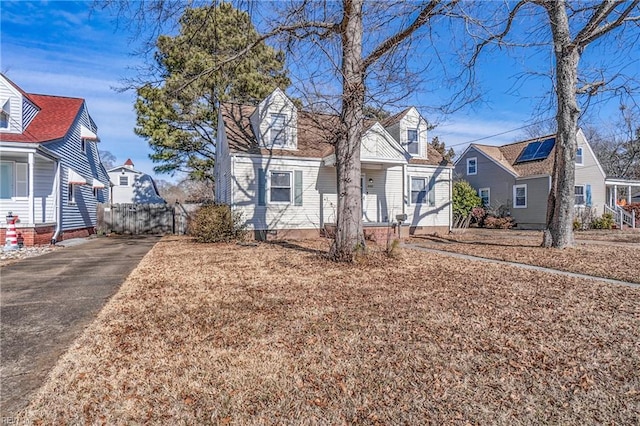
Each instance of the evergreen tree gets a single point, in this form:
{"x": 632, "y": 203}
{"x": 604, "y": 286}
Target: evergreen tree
{"x": 448, "y": 154}
{"x": 178, "y": 115}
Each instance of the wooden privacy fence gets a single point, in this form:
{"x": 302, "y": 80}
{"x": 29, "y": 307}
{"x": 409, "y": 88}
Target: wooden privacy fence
{"x": 136, "y": 219}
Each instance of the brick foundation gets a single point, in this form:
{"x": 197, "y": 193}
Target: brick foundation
{"x": 41, "y": 235}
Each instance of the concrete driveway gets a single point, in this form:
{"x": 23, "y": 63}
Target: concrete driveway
{"x": 47, "y": 301}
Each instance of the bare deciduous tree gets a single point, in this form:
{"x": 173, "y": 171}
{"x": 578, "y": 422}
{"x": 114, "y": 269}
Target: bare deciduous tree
{"x": 574, "y": 25}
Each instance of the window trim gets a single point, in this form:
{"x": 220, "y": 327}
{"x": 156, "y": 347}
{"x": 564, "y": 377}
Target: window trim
{"x": 284, "y": 130}
{"x": 8, "y": 120}
{"x": 425, "y": 180}
{"x": 415, "y": 142}
{"x": 71, "y": 194}
{"x": 120, "y": 180}
{"x": 584, "y": 195}
{"x": 270, "y": 186}
{"x": 475, "y": 163}
{"x": 488, "y": 196}
{"x": 581, "y": 150}
{"x": 7, "y": 113}
{"x": 515, "y": 198}
{"x": 14, "y": 180}
{"x": 83, "y": 146}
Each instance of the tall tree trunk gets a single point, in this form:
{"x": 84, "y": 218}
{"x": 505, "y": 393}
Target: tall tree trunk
{"x": 349, "y": 235}
{"x": 560, "y": 208}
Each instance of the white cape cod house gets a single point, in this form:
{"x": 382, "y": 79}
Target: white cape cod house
{"x": 50, "y": 173}
{"x": 276, "y": 165}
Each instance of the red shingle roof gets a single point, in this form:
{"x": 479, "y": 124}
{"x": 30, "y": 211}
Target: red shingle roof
{"x": 53, "y": 121}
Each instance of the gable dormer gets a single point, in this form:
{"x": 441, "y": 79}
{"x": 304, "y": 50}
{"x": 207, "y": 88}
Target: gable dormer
{"x": 410, "y": 130}
{"x": 275, "y": 122}
{"x": 16, "y": 109}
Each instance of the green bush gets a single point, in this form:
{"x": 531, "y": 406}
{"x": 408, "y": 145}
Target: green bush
{"x": 465, "y": 198}
{"x": 604, "y": 222}
{"x": 217, "y": 223}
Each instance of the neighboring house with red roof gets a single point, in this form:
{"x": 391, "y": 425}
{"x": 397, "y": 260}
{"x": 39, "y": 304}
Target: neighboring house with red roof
{"x": 516, "y": 178}
{"x": 130, "y": 186}
{"x": 50, "y": 171}
{"x": 276, "y": 164}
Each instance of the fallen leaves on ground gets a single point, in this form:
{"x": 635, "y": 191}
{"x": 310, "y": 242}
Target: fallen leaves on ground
{"x": 276, "y": 333}
{"x": 606, "y": 254}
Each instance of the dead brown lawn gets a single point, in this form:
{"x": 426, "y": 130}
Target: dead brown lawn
{"x": 227, "y": 334}
{"x": 608, "y": 254}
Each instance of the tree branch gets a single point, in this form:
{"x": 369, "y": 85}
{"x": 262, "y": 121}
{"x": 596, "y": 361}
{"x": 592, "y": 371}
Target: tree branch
{"x": 593, "y": 31}
{"x": 423, "y": 17}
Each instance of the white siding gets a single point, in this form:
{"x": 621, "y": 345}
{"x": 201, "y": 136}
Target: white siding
{"x": 413, "y": 120}
{"x": 424, "y": 214}
{"x": 276, "y": 103}
{"x": 378, "y": 144}
{"x": 383, "y": 198}
{"x": 7, "y": 92}
{"x": 282, "y": 216}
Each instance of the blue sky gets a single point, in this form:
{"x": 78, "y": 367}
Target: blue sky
{"x": 64, "y": 48}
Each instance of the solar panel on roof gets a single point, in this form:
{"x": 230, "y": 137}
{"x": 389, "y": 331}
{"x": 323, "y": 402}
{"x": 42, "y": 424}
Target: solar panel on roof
{"x": 545, "y": 149}
{"x": 537, "y": 150}
{"x": 529, "y": 152}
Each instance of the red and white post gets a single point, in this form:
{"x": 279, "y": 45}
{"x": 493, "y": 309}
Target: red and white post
{"x": 11, "y": 239}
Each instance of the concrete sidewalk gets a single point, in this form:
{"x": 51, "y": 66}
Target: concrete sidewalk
{"x": 47, "y": 301}
{"x": 518, "y": 265}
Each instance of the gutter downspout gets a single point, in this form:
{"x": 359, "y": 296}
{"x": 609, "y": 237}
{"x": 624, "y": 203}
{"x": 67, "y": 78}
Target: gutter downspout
{"x": 404, "y": 189}
{"x": 58, "y": 204}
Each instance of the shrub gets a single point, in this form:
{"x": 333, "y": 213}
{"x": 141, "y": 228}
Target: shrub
{"x": 604, "y": 222}
{"x": 492, "y": 222}
{"x": 216, "y": 223}
{"x": 465, "y": 198}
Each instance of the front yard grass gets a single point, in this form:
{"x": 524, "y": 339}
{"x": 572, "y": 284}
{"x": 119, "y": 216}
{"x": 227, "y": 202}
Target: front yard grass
{"x": 277, "y": 334}
{"x": 606, "y": 254}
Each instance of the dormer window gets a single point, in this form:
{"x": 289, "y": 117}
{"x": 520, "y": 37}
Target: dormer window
{"x": 5, "y": 115}
{"x": 413, "y": 146}
{"x": 278, "y": 130}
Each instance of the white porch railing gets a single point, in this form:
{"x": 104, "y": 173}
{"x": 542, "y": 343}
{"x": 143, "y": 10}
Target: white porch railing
{"x": 621, "y": 216}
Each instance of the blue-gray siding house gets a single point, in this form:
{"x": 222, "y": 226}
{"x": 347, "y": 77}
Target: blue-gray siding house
{"x": 50, "y": 171}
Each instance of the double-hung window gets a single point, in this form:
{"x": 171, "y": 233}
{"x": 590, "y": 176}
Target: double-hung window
{"x": 413, "y": 146}
{"x": 485, "y": 194}
{"x": 419, "y": 190}
{"x": 14, "y": 179}
{"x": 278, "y": 130}
{"x": 579, "y": 159}
{"x": 580, "y": 199}
{"x": 520, "y": 196}
{"x": 280, "y": 187}
{"x": 472, "y": 166}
